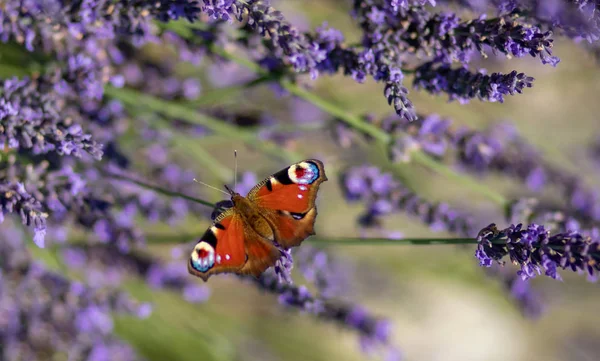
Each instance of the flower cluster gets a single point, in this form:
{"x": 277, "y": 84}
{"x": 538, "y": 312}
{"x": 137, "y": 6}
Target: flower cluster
{"x": 578, "y": 19}
{"x": 32, "y": 114}
{"x": 460, "y": 84}
{"x": 534, "y": 250}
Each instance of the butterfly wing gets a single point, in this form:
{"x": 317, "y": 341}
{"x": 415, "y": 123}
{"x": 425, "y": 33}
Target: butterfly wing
{"x": 229, "y": 246}
{"x": 287, "y": 200}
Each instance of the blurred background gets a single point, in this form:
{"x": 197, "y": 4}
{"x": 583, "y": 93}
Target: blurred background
{"x": 441, "y": 304}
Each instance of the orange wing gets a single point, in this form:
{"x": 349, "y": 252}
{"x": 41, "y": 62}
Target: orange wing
{"x": 229, "y": 246}
{"x": 287, "y": 200}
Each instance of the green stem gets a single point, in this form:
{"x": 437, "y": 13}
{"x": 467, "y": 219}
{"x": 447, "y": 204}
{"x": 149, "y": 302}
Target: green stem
{"x": 472, "y": 183}
{"x": 7, "y": 71}
{"x": 385, "y": 241}
{"x": 222, "y": 95}
{"x": 207, "y": 162}
{"x": 135, "y": 98}
{"x": 325, "y": 241}
{"x": 354, "y": 121}
{"x": 192, "y": 148}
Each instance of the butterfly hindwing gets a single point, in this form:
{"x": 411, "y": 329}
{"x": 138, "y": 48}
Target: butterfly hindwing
{"x": 221, "y": 249}
{"x": 261, "y": 254}
{"x": 287, "y": 200}
{"x": 230, "y": 246}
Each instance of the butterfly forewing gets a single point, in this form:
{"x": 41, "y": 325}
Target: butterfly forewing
{"x": 287, "y": 200}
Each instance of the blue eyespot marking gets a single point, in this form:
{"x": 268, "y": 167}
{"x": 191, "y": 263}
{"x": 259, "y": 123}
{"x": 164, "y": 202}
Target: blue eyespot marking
{"x": 306, "y": 175}
{"x": 203, "y": 257}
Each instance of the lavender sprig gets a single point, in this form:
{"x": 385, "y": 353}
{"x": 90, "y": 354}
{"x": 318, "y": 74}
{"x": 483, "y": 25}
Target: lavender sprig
{"x": 534, "y": 250}
{"x": 446, "y": 37}
{"x": 462, "y": 85}
{"x": 32, "y": 116}
{"x": 578, "y": 19}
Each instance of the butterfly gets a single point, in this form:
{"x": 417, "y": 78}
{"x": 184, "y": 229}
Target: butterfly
{"x": 278, "y": 213}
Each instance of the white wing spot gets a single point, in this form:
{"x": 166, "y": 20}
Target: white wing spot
{"x": 300, "y": 196}
{"x": 303, "y": 188}
{"x": 227, "y": 257}
{"x": 218, "y": 259}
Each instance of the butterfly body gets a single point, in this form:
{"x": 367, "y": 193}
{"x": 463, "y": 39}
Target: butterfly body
{"x": 278, "y": 213}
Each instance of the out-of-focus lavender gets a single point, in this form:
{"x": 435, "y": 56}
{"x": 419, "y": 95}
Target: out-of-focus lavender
{"x": 332, "y": 275}
{"x": 498, "y": 149}
{"x": 43, "y": 314}
{"x": 384, "y": 195}
{"x": 375, "y": 333}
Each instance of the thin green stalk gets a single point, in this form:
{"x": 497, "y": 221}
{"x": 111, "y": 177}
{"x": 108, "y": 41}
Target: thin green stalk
{"x": 325, "y": 241}
{"x": 221, "y": 95}
{"x": 354, "y": 121}
{"x": 192, "y": 148}
{"x": 470, "y": 182}
{"x": 208, "y": 162}
{"x": 389, "y": 241}
{"x": 170, "y": 109}
{"x": 7, "y": 71}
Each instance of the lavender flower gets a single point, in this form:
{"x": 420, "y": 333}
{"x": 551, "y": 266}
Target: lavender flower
{"x": 534, "y": 250}
{"x": 31, "y": 118}
{"x": 499, "y": 148}
{"x": 14, "y": 198}
{"x": 446, "y": 37}
{"x": 107, "y": 260}
{"x": 331, "y": 276}
{"x": 462, "y": 85}
{"x": 577, "y": 19}
{"x": 531, "y": 210}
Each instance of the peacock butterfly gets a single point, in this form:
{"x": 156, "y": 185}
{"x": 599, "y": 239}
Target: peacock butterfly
{"x": 278, "y": 213}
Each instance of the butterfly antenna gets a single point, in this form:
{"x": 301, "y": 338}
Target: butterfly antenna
{"x": 209, "y": 186}
{"x": 235, "y": 170}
